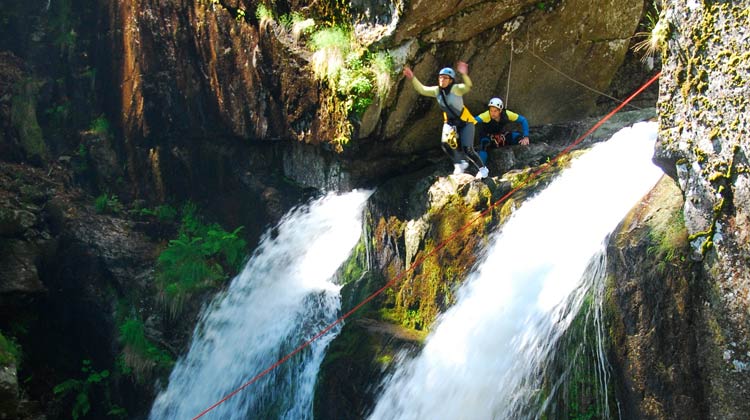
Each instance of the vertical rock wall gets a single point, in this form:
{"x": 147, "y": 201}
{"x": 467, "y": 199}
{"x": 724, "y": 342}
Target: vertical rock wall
{"x": 682, "y": 332}
{"x": 703, "y": 143}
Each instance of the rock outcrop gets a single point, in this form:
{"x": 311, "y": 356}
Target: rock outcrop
{"x": 684, "y": 325}
{"x": 653, "y": 309}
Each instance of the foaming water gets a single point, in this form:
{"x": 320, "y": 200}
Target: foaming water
{"x": 481, "y": 359}
{"x": 284, "y": 296}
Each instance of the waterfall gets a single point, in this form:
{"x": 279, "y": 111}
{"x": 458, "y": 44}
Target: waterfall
{"x": 483, "y": 356}
{"x": 285, "y": 295}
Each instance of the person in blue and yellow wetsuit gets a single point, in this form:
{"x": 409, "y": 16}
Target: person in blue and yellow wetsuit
{"x": 458, "y": 122}
{"x": 494, "y": 128}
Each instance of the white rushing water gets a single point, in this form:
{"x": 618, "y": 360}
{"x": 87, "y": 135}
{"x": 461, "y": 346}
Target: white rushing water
{"x": 284, "y": 296}
{"x": 482, "y": 355}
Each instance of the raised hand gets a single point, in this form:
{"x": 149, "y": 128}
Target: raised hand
{"x": 462, "y": 67}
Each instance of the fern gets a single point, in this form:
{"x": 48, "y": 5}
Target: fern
{"x": 82, "y": 388}
{"x": 197, "y": 259}
{"x": 67, "y": 386}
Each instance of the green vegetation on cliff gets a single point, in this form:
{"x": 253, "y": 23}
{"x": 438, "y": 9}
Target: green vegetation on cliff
{"x": 82, "y": 390}
{"x": 139, "y": 353}
{"x": 198, "y": 258}
{"x": 10, "y": 353}
{"x": 356, "y": 75}
{"x": 24, "y": 119}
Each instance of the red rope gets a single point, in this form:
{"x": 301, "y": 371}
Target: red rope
{"x": 440, "y": 246}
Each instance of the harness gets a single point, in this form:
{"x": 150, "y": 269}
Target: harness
{"x": 454, "y": 123}
{"x": 454, "y": 119}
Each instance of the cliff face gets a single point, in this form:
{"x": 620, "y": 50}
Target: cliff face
{"x": 551, "y": 42}
{"x": 192, "y": 72}
{"x": 683, "y": 330}
{"x": 196, "y": 81}
{"x": 185, "y": 82}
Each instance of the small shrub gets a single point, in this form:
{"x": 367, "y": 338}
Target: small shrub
{"x": 654, "y": 38}
{"x": 81, "y": 388}
{"x": 140, "y": 355}
{"x": 197, "y": 259}
{"x": 107, "y": 204}
{"x": 163, "y": 212}
{"x": 9, "y": 351}
{"x": 100, "y": 126}
{"x": 331, "y": 46}
{"x": 356, "y": 75}
{"x": 381, "y": 67}
{"x": 668, "y": 242}
{"x": 263, "y": 14}
{"x": 300, "y": 26}
{"x": 59, "y": 114}
{"x": 80, "y": 161}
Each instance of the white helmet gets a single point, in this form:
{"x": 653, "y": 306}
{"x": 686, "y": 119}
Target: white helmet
{"x": 496, "y": 102}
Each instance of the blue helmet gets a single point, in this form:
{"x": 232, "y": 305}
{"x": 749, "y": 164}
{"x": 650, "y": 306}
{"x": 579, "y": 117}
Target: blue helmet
{"x": 448, "y": 72}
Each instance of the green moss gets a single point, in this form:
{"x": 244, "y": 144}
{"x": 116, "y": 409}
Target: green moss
{"x": 24, "y": 120}
{"x": 700, "y": 155}
{"x": 668, "y": 241}
{"x": 721, "y": 178}
{"x": 389, "y": 314}
{"x": 714, "y": 134}
{"x": 10, "y": 353}
{"x": 717, "y": 333}
{"x": 715, "y": 176}
{"x": 574, "y": 374}
{"x": 685, "y": 85}
{"x": 701, "y": 103}
{"x": 356, "y": 265}
{"x": 428, "y": 290}
{"x": 701, "y": 81}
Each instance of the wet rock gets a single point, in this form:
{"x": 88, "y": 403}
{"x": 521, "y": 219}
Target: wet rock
{"x": 9, "y": 396}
